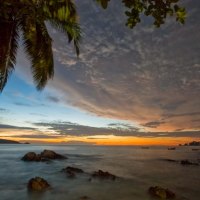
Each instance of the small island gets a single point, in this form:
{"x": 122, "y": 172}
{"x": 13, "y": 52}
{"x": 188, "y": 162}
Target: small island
{"x": 193, "y": 143}
{"x": 4, "y": 141}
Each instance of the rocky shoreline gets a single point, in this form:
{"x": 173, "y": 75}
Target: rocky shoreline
{"x": 39, "y": 184}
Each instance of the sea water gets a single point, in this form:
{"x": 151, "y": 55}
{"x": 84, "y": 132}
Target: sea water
{"x": 136, "y": 168}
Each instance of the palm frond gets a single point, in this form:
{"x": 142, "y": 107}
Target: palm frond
{"x": 8, "y": 49}
{"x": 63, "y": 16}
{"x": 38, "y": 46}
{"x": 71, "y": 29}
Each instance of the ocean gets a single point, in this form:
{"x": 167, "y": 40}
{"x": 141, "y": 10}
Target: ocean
{"x": 136, "y": 168}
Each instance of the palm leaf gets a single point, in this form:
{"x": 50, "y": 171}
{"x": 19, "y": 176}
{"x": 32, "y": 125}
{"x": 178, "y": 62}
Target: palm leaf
{"x": 71, "y": 30}
{"x": 38, "y": 46}
{"x": 8, "y": 49}
{"x": 63, "y": 17}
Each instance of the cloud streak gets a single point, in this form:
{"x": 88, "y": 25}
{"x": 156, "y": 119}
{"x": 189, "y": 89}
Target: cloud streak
{"x": 6, "y": 126}
{"x": 73, "y": 129}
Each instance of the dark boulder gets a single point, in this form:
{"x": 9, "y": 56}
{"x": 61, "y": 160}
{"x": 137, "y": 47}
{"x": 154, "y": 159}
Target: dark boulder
{"x": 169, "y": 160}
{"x": 31, "y": 156}
{"x": 38, "y": 184}
{"x": 71, "y": 171}
{"x": 161, "y": 193}
{"x": 187, "y": 162}
{"x": 171, "y": 148}
{"x": 103, "y": 175}
{"x": 48, "y": 154}
{"x": 84, "y": 198}
{"x": 195, "y": 149}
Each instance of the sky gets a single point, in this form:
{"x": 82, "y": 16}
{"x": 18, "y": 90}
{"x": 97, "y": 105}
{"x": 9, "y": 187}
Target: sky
{"x": 136, "y": 86}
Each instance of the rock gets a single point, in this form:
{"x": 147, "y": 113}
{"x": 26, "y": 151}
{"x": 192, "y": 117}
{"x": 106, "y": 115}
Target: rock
{"x": 170, "y": 160}
{"x": 48, "y": 154}
{"x": 84, "y": 198}
{"x": 145, "y": 147}
{"x": 187, "y": 162}
{"x": 71, "y": 174}
{"x": 71, "y": 171}
{"x": 103, "y": 175}
{"x": 170, "y": 194}
{"x": 38, "y": 184}
{"x": 171, "y": 148}
{"x": 162, "y": 193}
{"x": 31, "y": 156}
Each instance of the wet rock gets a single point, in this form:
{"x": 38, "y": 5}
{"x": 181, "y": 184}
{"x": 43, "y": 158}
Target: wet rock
{"x": 170, "y": 160}
{"x": 187, "y": 162}
{"x": 31, "y": 156}
{"x": 182, "y": 162}
{"x": 71, "y": 174}
{"x": 71, "y": 171}
{"x": 38, "y": 184}
{"x": 145, "y": 147}
{"x": 84, "y": 198}
{"x": 171, "y": 148}
{"x": 103, "y": 175}
{"x": 161, "y": 193}
{"x": 48, "y": 154}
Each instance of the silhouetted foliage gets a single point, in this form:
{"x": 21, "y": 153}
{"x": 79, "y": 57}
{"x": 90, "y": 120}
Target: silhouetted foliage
{"x": 28, "y": 18}
{"x": 158, "y": 9}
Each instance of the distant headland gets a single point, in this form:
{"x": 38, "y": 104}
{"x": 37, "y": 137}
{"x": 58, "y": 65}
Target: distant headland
{"x": 3, "y": 141}
{"x": 193, "y": 143}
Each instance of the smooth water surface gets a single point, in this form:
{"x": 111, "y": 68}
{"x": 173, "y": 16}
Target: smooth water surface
{"x": 137, "y": 169}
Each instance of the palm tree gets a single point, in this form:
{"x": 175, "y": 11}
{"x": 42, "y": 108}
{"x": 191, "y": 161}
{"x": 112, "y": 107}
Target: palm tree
{"x": 28, "y": 18}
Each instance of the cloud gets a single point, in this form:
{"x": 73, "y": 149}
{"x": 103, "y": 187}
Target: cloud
{"x": 3, "y": 110}
{"x": 182, "y": 115}
{"x": 36, "y": 136}
{"x": 53, "y": 99}
{"x": 73, "y": 129}
{"x": 123, "y": 126}
{"x": 38, "y": 114}
{"x": 77, "y": 142}
{"x": 142, "y": 75}
{"x": 6, "y": 126}
{"x": 22, "y": 104}
{"x": 153, "y": 124}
